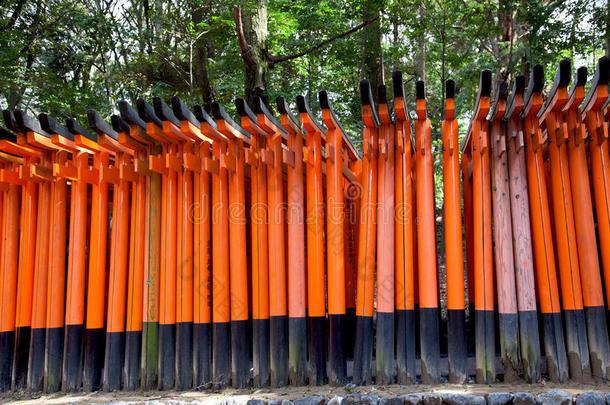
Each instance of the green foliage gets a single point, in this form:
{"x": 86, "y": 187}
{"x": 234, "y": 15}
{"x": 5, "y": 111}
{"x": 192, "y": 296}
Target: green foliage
{"x": 64, "y": 56}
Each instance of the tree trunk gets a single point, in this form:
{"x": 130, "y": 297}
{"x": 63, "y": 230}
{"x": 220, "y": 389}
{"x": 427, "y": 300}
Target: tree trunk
{"x": 608, "y": 28}
{"x": 503, "y": 62}
{"x": 420, "y": 61}
{"x": 252, "y": 33}
{"x": 372, "y": 60}
{"x": 201, "y": 53}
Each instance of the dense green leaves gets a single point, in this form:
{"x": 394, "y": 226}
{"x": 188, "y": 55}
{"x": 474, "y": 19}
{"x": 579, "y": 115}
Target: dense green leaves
{"x": 64, "y": 56}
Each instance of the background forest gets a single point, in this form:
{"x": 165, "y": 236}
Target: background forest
{"x": 65, "y": 56}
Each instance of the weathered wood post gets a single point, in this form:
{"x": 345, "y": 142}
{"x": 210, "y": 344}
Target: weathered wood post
{"x": 522, "y": 238}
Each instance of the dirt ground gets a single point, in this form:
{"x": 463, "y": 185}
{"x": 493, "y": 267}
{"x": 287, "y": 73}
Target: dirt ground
{"x": 290, "y": 393}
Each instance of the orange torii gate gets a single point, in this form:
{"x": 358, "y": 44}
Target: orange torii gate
{"x": 565, "y": 231}
{"x": 297, "y": 269}
{"x": 544, "y": 251}
{"x": 478, "y": 140}
{"x": 58, "y": 339}
{"x": 589, "y": 117}
{"x": 366, "y": 239}
{"x": 233, "y": 159}
{"x": 590, "y": 276}
{"x": 426, "y": 242}
{"x": 141, "y": 233}
{"x": 456, "y": 316}
{"x": 405, "y": 237}
{"x": 12, "y": 156}
{"x": 316, "y": 303}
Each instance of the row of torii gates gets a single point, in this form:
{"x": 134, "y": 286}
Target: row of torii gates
{"x": 176, "y": 248}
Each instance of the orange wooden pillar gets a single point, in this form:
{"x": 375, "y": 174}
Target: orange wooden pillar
{"x": 173, "y": 261}
{"x": 456, "y": 309}
{"x": 503, "y": 239}
{"x": 596, "y": 119}
{"x": 202, "y": 294}
{"x": 9, "y": 266}
{"x": 295, "y": 220}
{"x": 565, "y": 231}
{"x": 106, "y": 311}
{"x": 119, "y": 258}
{"x": 588, "y": 254}
{"x": 521, "y": 235}
{"x": 404, "y": 243}
{"x": 155, "y": 242}
{"x": 31, "y": 134}
{"x": 163, "y": 126}
{"x": 221, "y": 296}
{"x": 316, "y": 301}
{"x": 482, "y": 235}
{"x": 426, "y": 242}
{"x": 234, "y": 161}
{"x": 335, "y": 241}
{"x": 544, "y": 251}
{"x": 365, "y": 287}
{"x": 259, "y": 241}
{"x": 272, "y": 156}
{"x": 384, "y": 353}
{"x": 353, "y": 194}
{"x": 466, "y": 166}
{"x": 11, "y": 270}
{"x": 81, "y": 175}
{"x": 57, "y": 341}
{"x": 96, "y": 279}
{"x": 195, "y": 311}
{"x": 185, "y": 293}
{"x": 135, "y": 137}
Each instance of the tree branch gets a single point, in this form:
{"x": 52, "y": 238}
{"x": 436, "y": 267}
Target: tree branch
{"x": 277, "y": 59}
{"x": 246, "y": 48}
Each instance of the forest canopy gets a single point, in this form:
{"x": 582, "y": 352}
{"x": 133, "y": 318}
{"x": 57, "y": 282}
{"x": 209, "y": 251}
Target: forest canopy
{"x": 65, "y": 56}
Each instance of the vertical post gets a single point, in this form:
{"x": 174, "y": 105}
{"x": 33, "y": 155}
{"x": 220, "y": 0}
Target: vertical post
{"x": 565, "y": 231}
{"x": 426, "y": 243}
{"x": 32, "y": 134}
{"x": 234, "y": 161}
{"x": 105, "y": 366}
{"x": 135, "y": 137}
{"x": 503, "y": 239}
{"x": 404, "y": 231}
{"x": 365, "y": 292}
{"x": 384, "y": 353}
{"x": 10, "y": 260}
{"x": 8, "y": 283}
{"x": 260, "y": 252}
{"x": 278, "y": 321}
{"x": 57, "y": 304}
{"x": 295, "y": 219}
{"x": 456, "y": 310}
{"x": 522, "y": 239}
{"x": 483, "y": 250}
{"x": 595, "y": 117}
{"x": 335, "y": 241}
{"x": 163, "y": 126}
{"x": 117, "y": 298}
{"x": 155, "y": 242}
{"x": 588, "y": 254}
{"x": 86, "y": 142}
{"x": 316, "y": 302}
{"x": 466, "y": 166}
{"x": 202, "y": 295}
{"x": 544, "y": 252}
